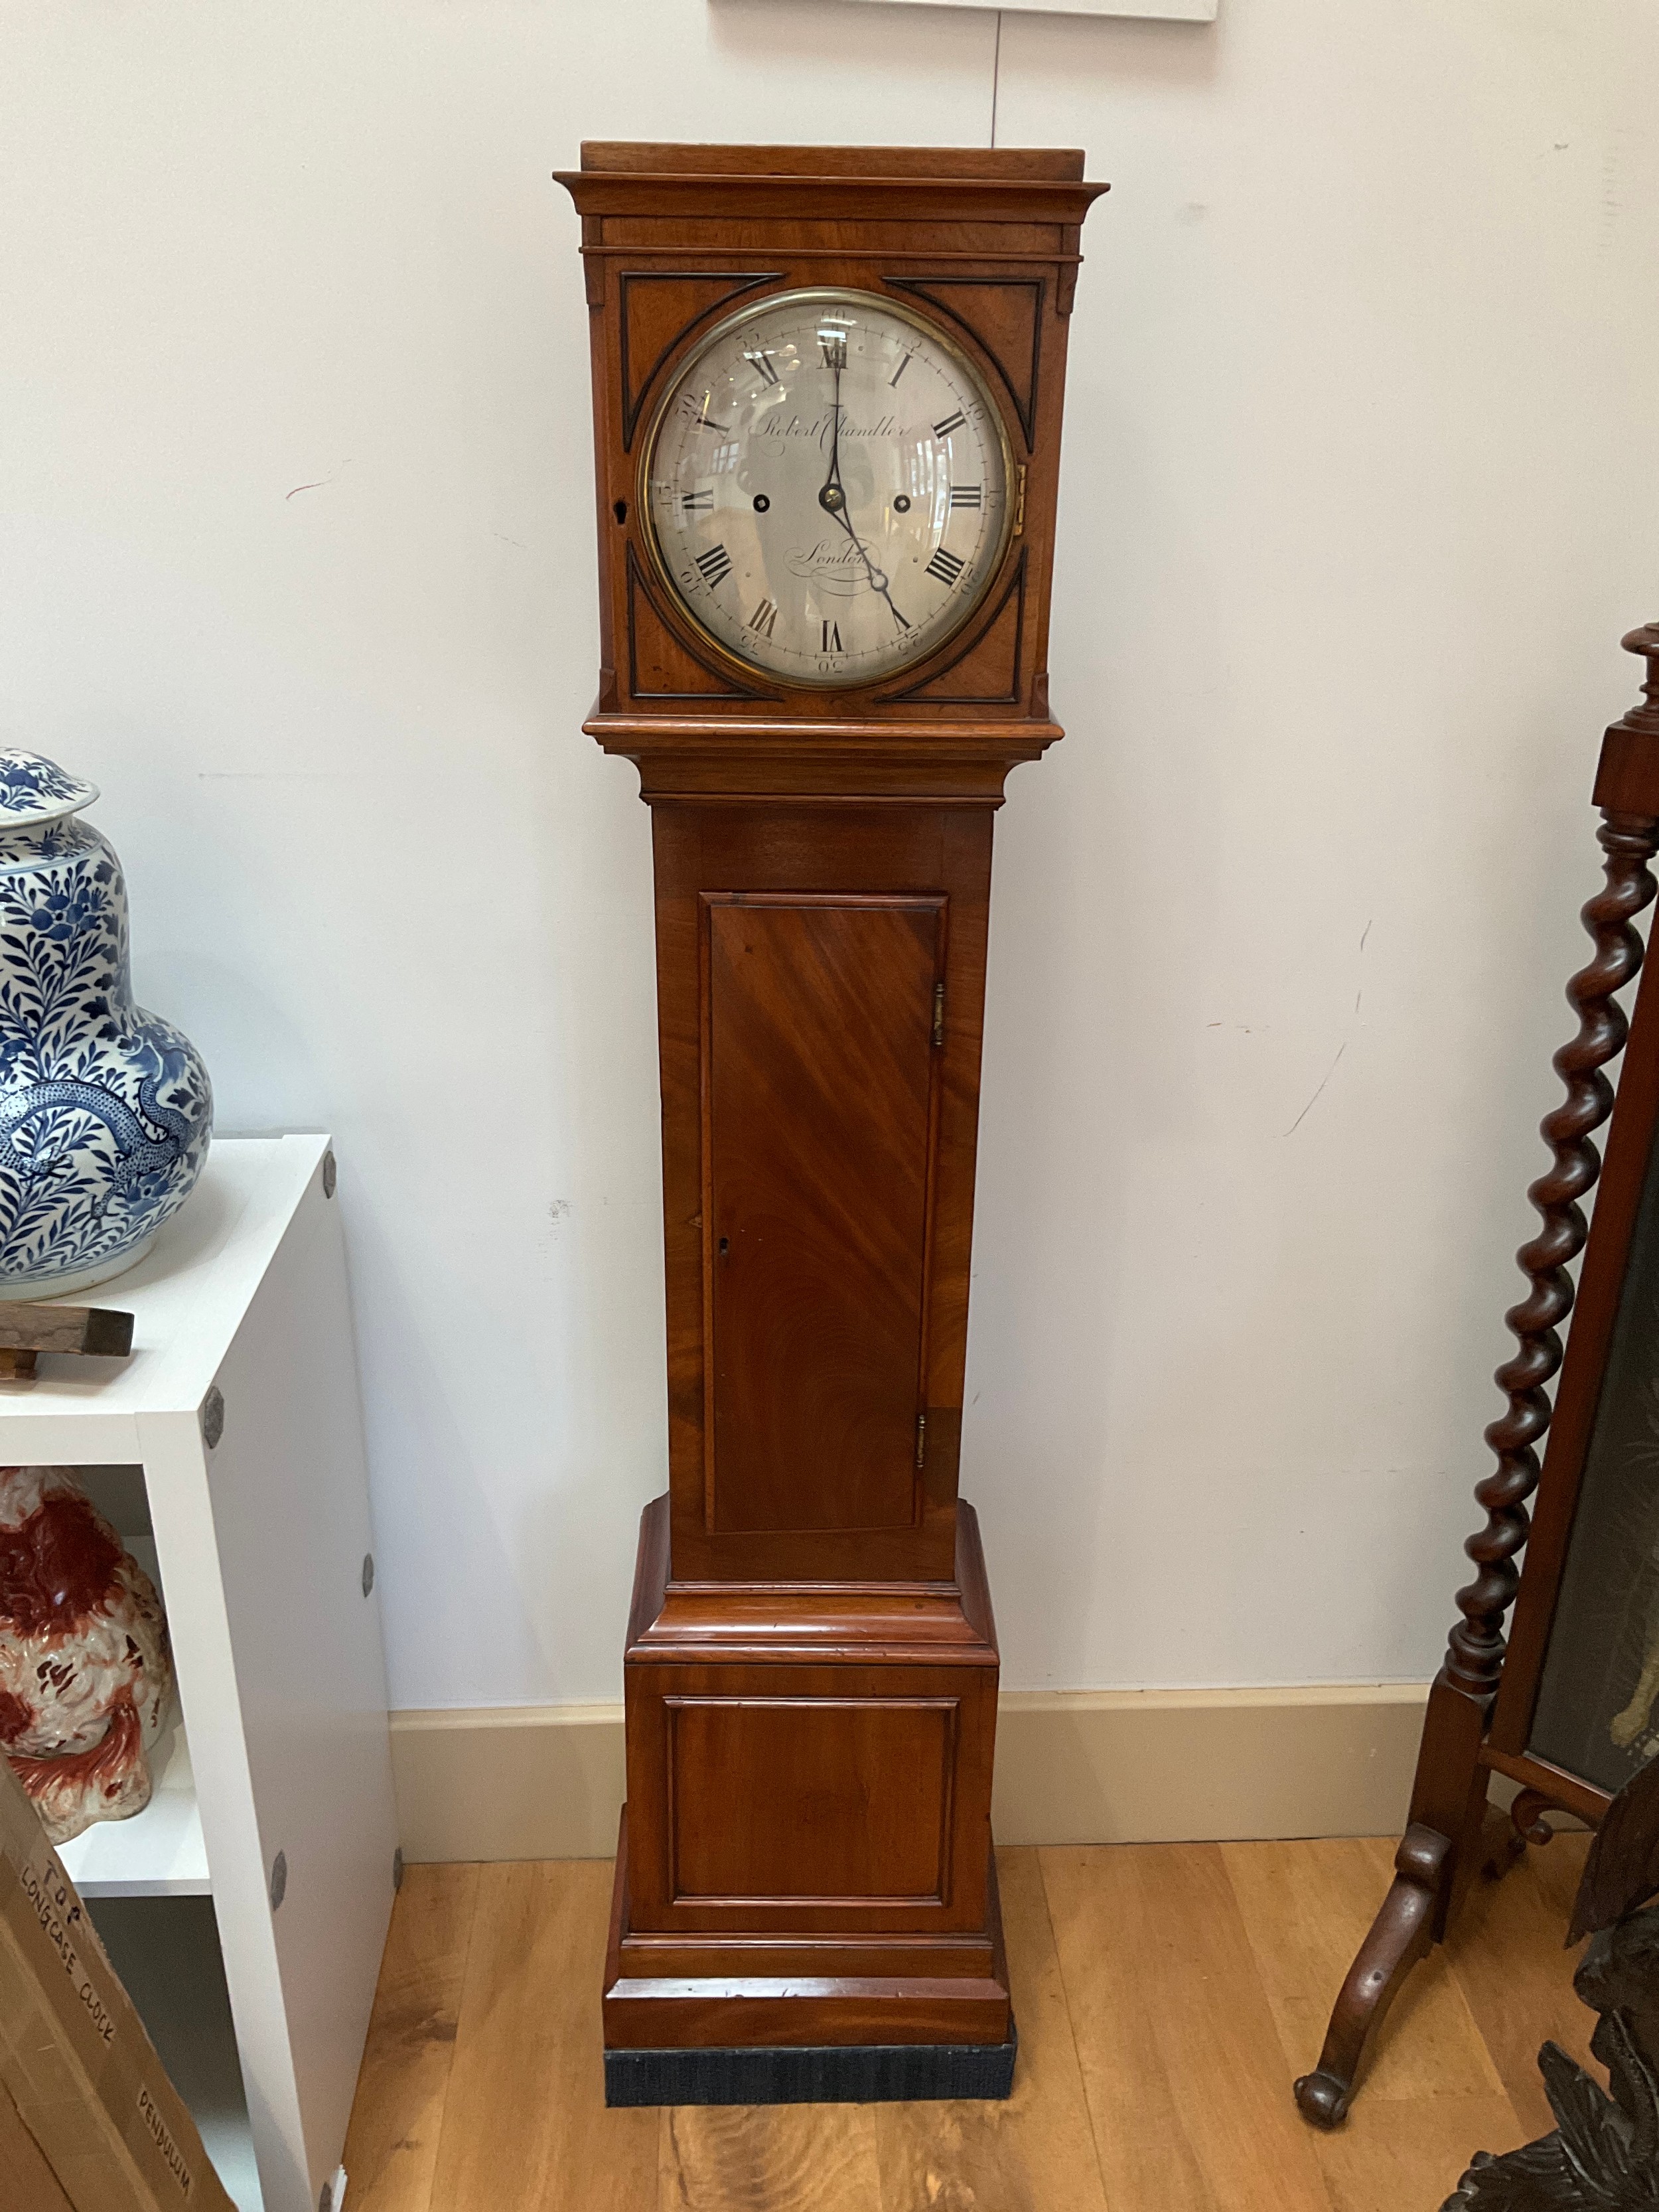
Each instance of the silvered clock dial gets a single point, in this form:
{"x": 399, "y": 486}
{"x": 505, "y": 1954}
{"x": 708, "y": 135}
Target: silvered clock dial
{"x": 826, "y": 488}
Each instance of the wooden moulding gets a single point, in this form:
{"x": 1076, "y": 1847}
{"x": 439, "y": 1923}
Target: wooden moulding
{"x": 666, "y": 158}
{"x": 940, "y": 762}
{"x": 934, "y": 1624}
{"x": 955, "y": 186}
{"x": 662, "y": 2000}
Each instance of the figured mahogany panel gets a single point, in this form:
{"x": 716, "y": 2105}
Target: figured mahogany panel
{"x": 819, "y": 1073}
{"x": 658, "y": 310}
{"x": 986, "y": 671}
{"x": 828, "y": 1799}
{"x": 782, "y": 1803}
{"x": 659, "y": 665}
{"x": 908, "y": 865}
{"x": 1005, "y": 315}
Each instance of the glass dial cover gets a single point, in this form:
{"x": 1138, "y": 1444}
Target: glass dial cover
{"x": 826, "y": 488}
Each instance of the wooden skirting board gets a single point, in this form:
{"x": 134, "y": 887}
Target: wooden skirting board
{"x": 1072, "y": 1767}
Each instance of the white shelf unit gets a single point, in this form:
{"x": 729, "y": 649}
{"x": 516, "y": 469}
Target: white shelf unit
{"x": 161, "y": 1853}
{"x": 257, "y": 1542}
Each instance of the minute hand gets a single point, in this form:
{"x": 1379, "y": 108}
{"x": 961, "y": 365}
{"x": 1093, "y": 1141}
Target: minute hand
{"x": 878, "y": 579}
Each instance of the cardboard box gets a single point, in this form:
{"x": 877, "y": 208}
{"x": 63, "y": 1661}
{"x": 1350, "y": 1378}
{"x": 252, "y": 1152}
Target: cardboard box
{"x": 88, "y": 2120}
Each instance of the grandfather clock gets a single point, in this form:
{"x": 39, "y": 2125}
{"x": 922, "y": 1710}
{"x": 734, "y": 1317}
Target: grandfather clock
{"x": 827, "y": 389}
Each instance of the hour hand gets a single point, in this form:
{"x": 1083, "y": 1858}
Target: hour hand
{"x": 832, "y": 498}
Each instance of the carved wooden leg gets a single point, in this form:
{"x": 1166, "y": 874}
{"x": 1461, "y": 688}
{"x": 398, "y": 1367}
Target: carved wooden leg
{"x": 1526, "y": 1826}
{"x": 1401, "y": 1934}
{"x": 1440, "y": 1849}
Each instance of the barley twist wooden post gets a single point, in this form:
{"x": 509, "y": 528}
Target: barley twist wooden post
{"x": 1441, "y": 1844}
{"x": 1474, "y": 1653}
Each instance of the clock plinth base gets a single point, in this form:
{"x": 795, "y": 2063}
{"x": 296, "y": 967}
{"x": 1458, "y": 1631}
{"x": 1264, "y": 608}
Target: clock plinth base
{"x": 850, "y": 2074}
{"x": 742, "y": 2039}
{"x": 804, "y": 1865}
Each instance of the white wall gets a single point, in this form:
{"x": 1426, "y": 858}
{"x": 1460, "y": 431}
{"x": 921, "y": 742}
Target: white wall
{"x": 1359, "y": 492}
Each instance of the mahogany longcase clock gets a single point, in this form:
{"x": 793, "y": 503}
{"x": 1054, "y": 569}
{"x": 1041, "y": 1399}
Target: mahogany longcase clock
{"x": 827, "y": 389}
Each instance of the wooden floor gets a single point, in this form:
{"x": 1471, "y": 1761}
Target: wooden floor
{"x": 1166, "y": 1996}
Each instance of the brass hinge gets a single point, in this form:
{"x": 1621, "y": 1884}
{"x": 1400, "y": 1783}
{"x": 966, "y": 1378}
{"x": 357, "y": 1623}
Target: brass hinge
{"x": 1019, "y": 501}
{"x": 921, "y": 1437}
{"x": 939, "y": 1013}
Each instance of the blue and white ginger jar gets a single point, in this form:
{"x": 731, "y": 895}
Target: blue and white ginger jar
{"x": 104, "y": 1110}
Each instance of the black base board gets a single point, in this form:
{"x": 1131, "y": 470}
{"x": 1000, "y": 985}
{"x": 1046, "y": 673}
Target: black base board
{"x": 825, "y": 2073}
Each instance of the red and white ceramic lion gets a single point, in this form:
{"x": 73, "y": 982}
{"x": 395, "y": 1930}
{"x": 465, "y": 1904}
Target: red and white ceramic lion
{"x": 86, "y": 1672}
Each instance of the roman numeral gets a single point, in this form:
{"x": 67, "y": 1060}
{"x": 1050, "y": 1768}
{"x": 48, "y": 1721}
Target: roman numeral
{"x": 763, "y": 619}
{"x": 763, "y": 361}
{"x": 833, "y": 351}
{"x": 967, "y": 495}
{"x": 702, "y": 502}
{"x": 900, "y": 370}
{"x": 695, "y": 415}
{"x": 945, "y": 566}
{"x": 715, "y": 566}
{"x": 832, "y": 639}
{"x": 951, "y": 423}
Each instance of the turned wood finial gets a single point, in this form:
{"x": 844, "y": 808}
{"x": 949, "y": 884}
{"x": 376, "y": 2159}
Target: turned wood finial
{"x": 1644, "y": 642}
{"x": 1627, "y": 780}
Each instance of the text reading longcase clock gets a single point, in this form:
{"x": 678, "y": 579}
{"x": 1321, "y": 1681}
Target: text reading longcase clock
{"x": 827, "y": 485}
{"x": 828, "y": 389}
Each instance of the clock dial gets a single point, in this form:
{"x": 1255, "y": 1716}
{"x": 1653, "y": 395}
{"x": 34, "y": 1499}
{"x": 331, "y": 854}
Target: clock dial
{"x": 826, "y": 488}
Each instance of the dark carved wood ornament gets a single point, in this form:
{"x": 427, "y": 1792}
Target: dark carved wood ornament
{"x": 1495, "y": 1707}
{"x": 827, "y": 393}
{"x": 1602, "y": 2155}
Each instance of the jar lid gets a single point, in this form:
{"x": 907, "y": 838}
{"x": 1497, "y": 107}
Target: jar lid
{"x": 35, "y": 789}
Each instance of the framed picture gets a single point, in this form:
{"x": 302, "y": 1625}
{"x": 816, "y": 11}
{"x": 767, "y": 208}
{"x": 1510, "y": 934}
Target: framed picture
{"x": 1167, "y": 11}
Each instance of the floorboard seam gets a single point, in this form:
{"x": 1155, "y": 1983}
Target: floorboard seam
{"x": 476, "y": 1887}
{"x": 1071, "y": 2030}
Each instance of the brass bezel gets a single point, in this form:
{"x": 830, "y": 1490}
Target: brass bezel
{"x": 854, "y": 295}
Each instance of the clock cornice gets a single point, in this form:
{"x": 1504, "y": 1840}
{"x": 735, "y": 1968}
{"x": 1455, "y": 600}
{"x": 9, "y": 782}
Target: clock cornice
{"x": 750, "y": 196}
